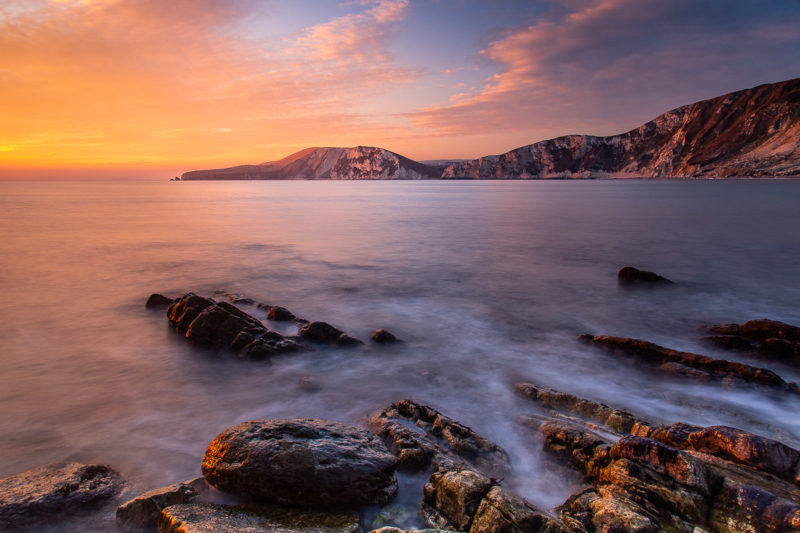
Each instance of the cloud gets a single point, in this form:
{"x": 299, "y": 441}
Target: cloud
{"x": 605, "y": 66}
{"x": 127, "y": 71}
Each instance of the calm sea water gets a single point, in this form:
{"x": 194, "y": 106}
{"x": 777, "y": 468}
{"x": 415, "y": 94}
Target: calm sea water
{"x": 489, "y": 282}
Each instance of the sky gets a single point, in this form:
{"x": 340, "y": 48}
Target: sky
{"x": 153, "y": 88}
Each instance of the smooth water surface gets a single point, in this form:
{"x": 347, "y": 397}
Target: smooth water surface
{"x": 489, "y": 282}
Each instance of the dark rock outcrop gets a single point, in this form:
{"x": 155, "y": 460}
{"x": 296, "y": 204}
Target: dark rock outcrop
{"x": 753, "y": 132}
{"x": 158, "y": 301}
{"x": 708, "y": 367}
{"x": 382, "y": 336}
{"x": 422, "y": 438}
{"x": 221, "y": 324}
{"x": 212, "y": 518}
{"x": 143, "y": 511}
{"x": 629, "y": 276}
{"x": 50, "y": 492}
{"x": 280, "y": 314}
{"x": 324, "y": 333}
{"x": 763, "y": 338}
{"x": 301, "y": 462}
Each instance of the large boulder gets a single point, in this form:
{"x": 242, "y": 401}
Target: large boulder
{"x": 302, "y": 462}
{"x": 158, "y": 301}
{"x": 52, "y": 491}
{"x": 212, "y": 518}
{"x": 143, "y": 511}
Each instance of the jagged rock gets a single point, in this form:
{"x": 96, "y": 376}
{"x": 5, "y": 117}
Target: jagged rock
{"x": 762, "y": 329}
{"x": 212, "y": 518}
{"x": 320, "y": 332}
{"x": 422, "y": 438}
{"x": 716, "y": 368}
{"x": 620, "y": 421}
{"x": 633, "y": 276}
{"x": 241, "y": 300}
{"x": 346, "y": 340}
{"x": 382, "y": 336}
{"x": 280, "y": 314}
{"x": 764, "y": 338}
{"x": 500, "y": 511}
{"x": 52, "y": 491}
{"x": 144, "y": 510}
{"x": 221, "y": 324}
{"x": 301, "y": 462}
{"x": 452, "y": 498}
{"x": 586, "y": 451}
{"x": 158, "y": 301}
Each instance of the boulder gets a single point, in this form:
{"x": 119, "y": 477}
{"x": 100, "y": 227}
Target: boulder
{"x": 212, "y": 518}
{"x": 52, "y": 491}
{"x": 501, "y": 511}
{"x": 346, "y": 340}
{"x": 764, "y": 328}
{"x": 158, "y": 301}
{"x": 452, "y": 498}
{"x": 324, "y": 333}
{"x": 280, "y": 314}
{"x": 143, "y": 511}
{"x": 423, "y": 438}
{"x": 763, "y": 337}
{"x": 633, "y": 276}
{"x": 301, "y": 462}
{"x": 382, "y": 336}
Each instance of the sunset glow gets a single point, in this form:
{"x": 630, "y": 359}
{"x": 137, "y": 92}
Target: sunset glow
{"x": 127, "y": 86}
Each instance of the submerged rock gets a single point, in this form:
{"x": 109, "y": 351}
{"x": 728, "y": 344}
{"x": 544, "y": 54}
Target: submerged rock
{"x": 715, "y": 368}
{"x": 423, "y": 438}
{"x": 143, "y": 511}
{"x": 382, "y": 336}
{"x": 324, "y": 333}
{"x": 213, "y": 518}
{"x": 158, "y": 301}
{"x": 51, "y": 491}
{"x": 768, "y": 339}
{"x": 280, "y": 314}
{"x": 633, "y": 276}
{"x": 301, "y": 462}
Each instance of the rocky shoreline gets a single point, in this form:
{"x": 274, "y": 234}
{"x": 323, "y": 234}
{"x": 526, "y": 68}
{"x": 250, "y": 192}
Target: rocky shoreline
{"x": 309, "y": 475}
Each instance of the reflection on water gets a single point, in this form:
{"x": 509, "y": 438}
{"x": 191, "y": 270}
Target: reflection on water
{"x": 489, "y": 283}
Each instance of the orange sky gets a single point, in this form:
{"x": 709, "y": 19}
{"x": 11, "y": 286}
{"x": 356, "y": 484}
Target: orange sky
{"x": 149, "y": 87}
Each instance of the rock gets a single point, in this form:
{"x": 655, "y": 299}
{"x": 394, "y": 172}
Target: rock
{"x": 346, "y": 340}
{"x": 620, "y": 421}
{"x": 301, "y": 462}
{"x": 776, "y": 348}
{"x": 730, "y": 342}
{"x": 321, "y": 332}
{"x": 500, "y": 511}
{"x": 381, "y": 336}
{"x": 212, "y": 518}
{"x": 633, "y": 276}
{"x": 765, "y": 338}
{"x": 241, "y": 300}
{"x": 221, "y": 324}
{"x": 395, "y": 515}
{"x": 158, "y": 301}
{"x": 716, "y": 368}
{"x": 280, "y": 314}
{"x": 452, "y": 498}
{"x": 144, "y": 510}
{"x": 586, "y": 451}
{"x": 422, "y": 438}
{"x": 52, "y": 491}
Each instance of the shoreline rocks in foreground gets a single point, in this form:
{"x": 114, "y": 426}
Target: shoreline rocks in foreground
{"x": 54, "y": 491}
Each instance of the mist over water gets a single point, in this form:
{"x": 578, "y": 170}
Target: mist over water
{"x": 489, "y": 282}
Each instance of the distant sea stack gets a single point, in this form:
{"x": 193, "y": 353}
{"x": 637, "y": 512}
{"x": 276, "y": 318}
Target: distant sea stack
{"x": 749, "y": 133}
{"x": 754, "y": 132}
{"x": 359, "y": 163}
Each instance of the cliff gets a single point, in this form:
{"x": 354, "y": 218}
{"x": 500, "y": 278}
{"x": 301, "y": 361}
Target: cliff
{"x": 754, "y": 132}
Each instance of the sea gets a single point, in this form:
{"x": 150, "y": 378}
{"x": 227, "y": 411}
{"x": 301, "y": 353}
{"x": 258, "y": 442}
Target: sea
{"x": 488, "y": 283}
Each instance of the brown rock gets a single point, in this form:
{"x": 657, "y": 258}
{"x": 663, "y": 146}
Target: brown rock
{"x": 500, "y": 511}
{"x": 586, "y": 451}
{"x": 280, "y": 314}
{"x": 301, "y": 462}
{"x": 451, "y": 498}
{"x": 764, "y": 328}
{"x": 382, "y": 336}
{"x": 158, "y": 301}
{"x": 143, "y": 511}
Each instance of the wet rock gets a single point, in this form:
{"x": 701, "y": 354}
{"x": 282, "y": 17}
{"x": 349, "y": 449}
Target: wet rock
{"x": 301, "y": 462}
{"x": 723, "y": 329}
{"x": 681, "y": 370}
{"x": 321, "y": 332}
{"x": 280, "y": 314}
{"x": 240, "y": 300}
{"x": 764, "y": 338}
{"x": 211, "y": 518}
{"x": 776, "y": 348}
{"x": 762, "y": 329}
{"x": 346, "y": 340}
{"x": 143, "y": 511}
{"x": 452, "y": 498}
{"x": 501, "y": 511}
{"x": 54, "y": 490}
{"x": 221, "y": 324}
{"x": 658, "y": 355}
{"x": 422, "y": 438}
{"x": 633, "y": 276}
{"x": 158, "y": 301}
{"x": 620, "y": 421}
{"x": 586, "y": 451}
{"x": 382, "y": 336}
{"x": 730, "y": 342}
